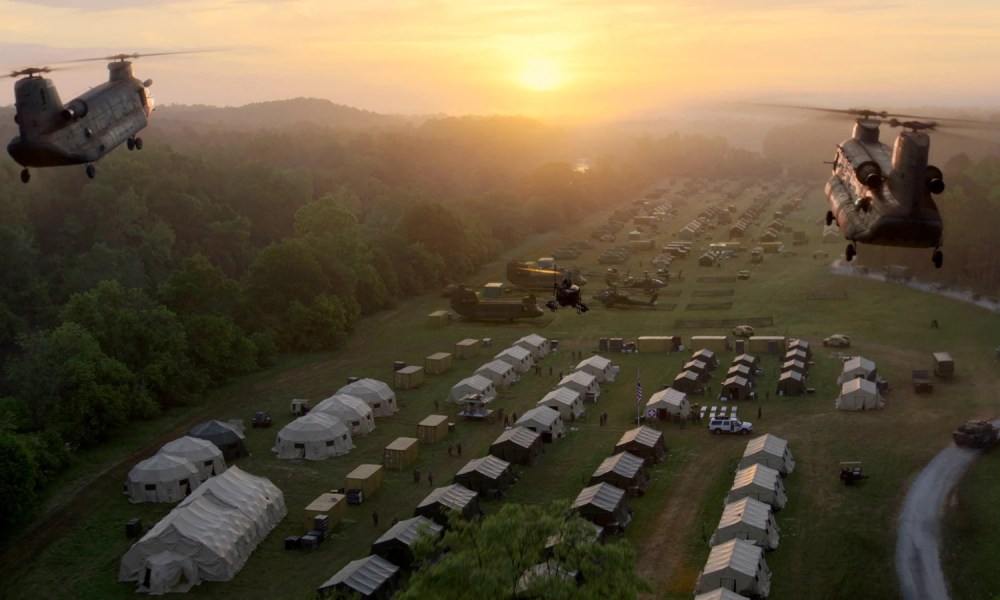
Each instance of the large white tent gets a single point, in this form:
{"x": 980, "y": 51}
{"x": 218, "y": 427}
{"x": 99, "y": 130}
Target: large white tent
{"x": 566, "y": 400}
{"x": 771, "y": 451}
{"x": 598, "y": 366}
{"x": 858, "y": 366}
{"x": 351, "y": 410}
{"x": 738, "y": 565}
{"x": 315, "y": 436}
{"x": 520, "y": 358}
{"x": 747, "y": 519}
{"x": 583, "y": 382}
{"x": 500, "y": 372}
{"x": 203, "y": 454}
{"x": 162, "y": 478}
{"x": 669, "y": 403}
{"x": 859, "y": 394}
{"x": 377, "y": 394}
{"x": 545, "y": 421}
{"x": 536, "y": 344}
{"x": 476, "y": 384}
{"x": 207, "y": 537}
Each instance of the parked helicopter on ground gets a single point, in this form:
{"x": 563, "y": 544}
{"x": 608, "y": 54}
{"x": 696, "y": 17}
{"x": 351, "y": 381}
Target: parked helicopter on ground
{"x": 613, "y": 278}
{"x": 612, "y": 298}
{"x": 53, "y": 134}
{"x": 467, "y": 303}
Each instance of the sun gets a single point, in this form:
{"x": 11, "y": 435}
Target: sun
{"x": 541, "y": 75}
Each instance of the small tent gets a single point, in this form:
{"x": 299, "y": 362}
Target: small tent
{"x": 545, "y": 421}
{"x": 476, "y": 384}
{"x": 795, "y": 365}
{"x": 859, "y": 394}
{"x": 856, "y": 367}
{"x": 488, "y": 475}
{"x": 791, "y": 383}
{"x": 500, "y": 372}
{"x": 688, "y": 382}
{"x": 567, "y": 401}
{"x": 396, "y": 544}
{"x": 227, "y": 438}
{"x": 747, "y": 519}
{"x": 771, "y": 451}
{"x": 669, "y": 403}
{"x": 536, "y": 344}
{"x": 737, "y": 388}
{"x": 800, "y": 344}
{"x": 797, "y": 354}
{"x": 371, "y": 578}
{"x": 203, "y": 454}
{"x": 518, "y": 357}
{"x": 603, "y": 504}
{"x": 351, "y": 410}
{"x": 598, "y": 366}
{"x": 760, "y": 483}
{"x": 518, "y": 445}
{"x": 708, "y": 357}
{"x": 440, "y": 501}
{"x": 738, "y": 565}
{"x": 740, "y": 370}
{"x": 645, "y": 442}
{"x": 377, "y": 394}
{"x": 624, "y": 471}
{"x": 721, "y": 594}
{"x": 584, "y": 383}
{"x": 315, "y": 436}
{"x": 162, "y": 478}
{"x": 209, "y": 536}
{"x": 700, "y": 367}
{"x": 749, "y": 360}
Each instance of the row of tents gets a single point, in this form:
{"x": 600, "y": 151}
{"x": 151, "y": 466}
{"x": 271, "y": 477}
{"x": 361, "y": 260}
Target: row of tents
{"x": 747, "y": 527}
{"x": 503, "y": 371}
{"x": 859, "y": 389}
{"x": 794, "y": 368}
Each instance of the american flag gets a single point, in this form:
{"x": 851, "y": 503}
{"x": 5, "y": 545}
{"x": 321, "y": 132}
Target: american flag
{"x": 638, "y": 390}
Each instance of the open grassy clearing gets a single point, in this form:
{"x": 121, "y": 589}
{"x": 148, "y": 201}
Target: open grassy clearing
{"x": 831, "y": 535}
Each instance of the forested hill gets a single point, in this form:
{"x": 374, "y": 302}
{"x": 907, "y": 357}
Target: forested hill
{"x": 276, "y": 115}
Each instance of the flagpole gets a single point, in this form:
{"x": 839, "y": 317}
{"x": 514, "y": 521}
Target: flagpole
{"x": 638, "y": 398}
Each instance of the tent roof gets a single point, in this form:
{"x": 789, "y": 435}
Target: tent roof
{"x": 602, "y": 495}
{"x": 249, "y": 494}
{"x": 365, "y": 575}
{"x": 562, "y": 395}
{"x": 746, "y": 510}
{"x": 695, "y": 364}
{"x": 313, "y": 427}
{"x": 768, "y": 444}
{"x": 490, "y": 466}
{"x": 521, "y": 436}
{"x": 541, "y": 414}
{"x": 162, "y": 467}
{"x": 646, "y": 436}
{"x": 217, "y": 432}
{"x": 595, "y": 361}
{"x": 669, "y": 396}
{"x": 455, "y": 496}
{"x": 756, "y": 474}
{"x": 793, "y": 363}
{"x": 533, "y": 339}
{"x": 367, "y": 388}
{"x": 409, "y": 530}
{"x": 739, "y": 555}
{"x": 578, "y": 377}
{"x": 791, "y": 375}
{"x": 746, "y": 359}
{"x": 737, "y": 381}
{"x": 192, "y": 448}
{"x": 515, "y": 351}
{"x": 858, "y": 362}
{"x": 343, "y": 404}
{"x": 721, "y": 593}
{"x": 625, "y": 464}
{"x": 687, "y": 375}
{"x": 501, "y": 367}
{"x": 853, "y": 385}
{"x": 705, "y": 352}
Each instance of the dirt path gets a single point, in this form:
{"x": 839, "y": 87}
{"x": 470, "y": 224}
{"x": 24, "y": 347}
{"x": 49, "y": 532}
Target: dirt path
{"x": 918, "y": 554}
{"x": 659, "y": 559}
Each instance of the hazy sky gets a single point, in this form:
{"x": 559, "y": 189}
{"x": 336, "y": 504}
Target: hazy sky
{"x": 551, "y": 59}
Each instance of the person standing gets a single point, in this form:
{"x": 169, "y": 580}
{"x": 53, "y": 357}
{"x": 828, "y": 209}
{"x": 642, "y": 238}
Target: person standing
{"x": 374, "y": 518}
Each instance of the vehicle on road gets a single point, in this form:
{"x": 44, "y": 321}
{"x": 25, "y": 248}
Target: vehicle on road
{"x": 976, "y": 434}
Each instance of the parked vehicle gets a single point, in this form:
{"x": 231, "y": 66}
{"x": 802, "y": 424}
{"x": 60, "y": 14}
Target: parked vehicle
{"x": 743, "y": 331}
{"x": 837, "y": 340}
{"x": 261, "y": 419}
{"x": 729, "y": 425}
{"x": 976, "y": 434}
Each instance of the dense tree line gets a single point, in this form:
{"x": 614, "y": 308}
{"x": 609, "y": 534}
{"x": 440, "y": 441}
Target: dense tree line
{"x": 194, "y": 261}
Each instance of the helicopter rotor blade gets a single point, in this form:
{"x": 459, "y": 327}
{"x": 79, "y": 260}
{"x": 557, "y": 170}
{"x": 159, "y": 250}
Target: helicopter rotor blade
{"x": 889, "y": 117}
{"x": 135, "y": 55}
{"x": 31, "y": 71}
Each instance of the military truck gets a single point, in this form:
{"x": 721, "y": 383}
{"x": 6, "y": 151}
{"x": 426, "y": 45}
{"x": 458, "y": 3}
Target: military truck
{"x": 976, "y": 434}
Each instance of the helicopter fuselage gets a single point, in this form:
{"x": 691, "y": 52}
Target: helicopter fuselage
{"x": 83, "y": 130}
{"x": 882, "y": 196}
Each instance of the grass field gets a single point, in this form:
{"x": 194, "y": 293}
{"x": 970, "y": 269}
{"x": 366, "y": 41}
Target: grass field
{"x": 835, "y": 541}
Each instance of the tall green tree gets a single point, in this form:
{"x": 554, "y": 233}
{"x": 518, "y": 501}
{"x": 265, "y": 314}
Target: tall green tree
{"x": 17, "y": 486}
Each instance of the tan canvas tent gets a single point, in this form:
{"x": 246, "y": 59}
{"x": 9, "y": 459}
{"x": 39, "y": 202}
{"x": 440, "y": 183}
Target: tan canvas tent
{"x": 737, "y": 565}
{"x": 377, "y": 394}
{"x": 791, "y": 383}
{"x": 476, "y": 384}
{"x": 351, "y": 410}
{"x": 517, "y": 356}
{"x": 708, "y": 357}
{"x": 567, "y": 401}
{"x": 750, "y": 520}
{"x": 209, "y": 536}
{"x": 162, "y": 478}
{"x": 584, "y": 383}
{"x": 603, "y": 504}
{"x": 688, "y": 382}
{"x": 315, "y": 436}
{"x": 760, "y": 483}
{"x": 771, "y": 451}
{"x": 669, "y": 403}
{"x": 624, "y": 471}
{"x": 442, "y": 500}
{"x": 371, "y": 578}
{"x": 859, "y": 394}
{"x": 545, "y": 421}
{"x": 203, "y": 454}
{"x": 488, "y": 475}
{"x": 858, "y": 366}
{"x": 536, "y": 344}
{"x": 645, "y": 442}
{"x": 737, "y": 388}
{"x": 598, "y": 366}
{"x": 500, "y": 372}
{"x": 396, "y": 544}
{"x": 518, "y": 445}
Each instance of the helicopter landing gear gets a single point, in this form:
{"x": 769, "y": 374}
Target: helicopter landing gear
{"x": 829, "y": 218}
{"x": 851, "y": 252}
{"x": 130, "y": 143}
{"x": 91, "y": 171}
{"x": 25, "y": 176}
{"x": 138, "y": 143}
{"x": 937, "y": 258}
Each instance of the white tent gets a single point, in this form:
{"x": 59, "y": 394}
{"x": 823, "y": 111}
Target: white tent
{"x": 669, "y": 402}
{"x": 520, "y": 358}
{"x": 368, "y": 577}
{"x": 858, "y": 366}
{"x": 747, "y": 519}
{"x": 545, "y": 421}
{"x": 207, "y": 537}
{"x": 377, "y": 394}
{"x": 598, "y": 366}
{"x": 351, "y": 410}
{"x": 583, "y": 382}
{"x": 760, "y": 483}
{"x": 720, "y": 594}
{"x": 536, "y": 344}
{"x": 162, "y": 478}
{"x": 567, "y": 401}
{"x": 500, "y": 372}
{"x": 203, "y": 454}
{"x": 315, "y": 436}
{"x": 738, "y": 565}
{"x": 859, "y": 394}
{"x": 477, "y": 384}
{"x": 771, "y": 451}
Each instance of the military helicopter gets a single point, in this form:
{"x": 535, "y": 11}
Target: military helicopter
{"x": 52, "y": 134}
{"x": 612, "y": 298}
{"x": 567, "y": 294}
{"x": 468, "y": 304}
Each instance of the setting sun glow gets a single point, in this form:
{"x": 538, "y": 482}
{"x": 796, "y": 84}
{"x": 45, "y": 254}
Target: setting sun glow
{"x": 541, "y": 75}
